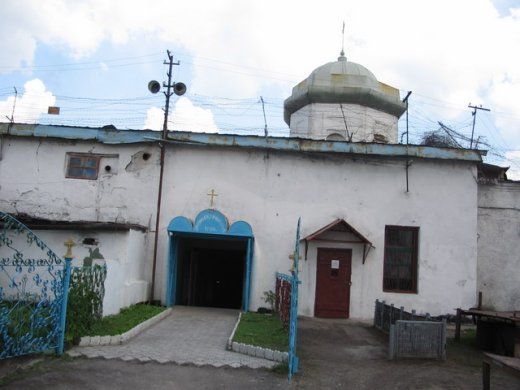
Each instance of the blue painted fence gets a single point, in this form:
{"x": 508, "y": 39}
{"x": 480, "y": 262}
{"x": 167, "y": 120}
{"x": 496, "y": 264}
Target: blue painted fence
{"x": 293, "y": 361}
{"x": 33, "y": 292}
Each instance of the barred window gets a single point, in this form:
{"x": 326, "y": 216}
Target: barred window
{"x": 82, "y": 166}
{"x": 400, "y": 267}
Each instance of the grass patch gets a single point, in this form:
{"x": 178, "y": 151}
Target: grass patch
{"x": 262, "y": 330}
{"x": 125, "y": 320}
{"x": 281, "y": 368}
{"x": 465, "y": 352}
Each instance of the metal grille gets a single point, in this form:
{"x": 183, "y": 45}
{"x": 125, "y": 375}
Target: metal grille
{"x": 33, "y": 293}
{"x": 283, "y": 299}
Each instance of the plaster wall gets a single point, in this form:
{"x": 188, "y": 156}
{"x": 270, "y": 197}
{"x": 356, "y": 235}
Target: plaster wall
{"x": 123, "y": 254}
{"x": 33, "y": 182}
{"x": 319, "y": 120}
{"x": 499, "y": 245}
{"x": 271, "y": 190}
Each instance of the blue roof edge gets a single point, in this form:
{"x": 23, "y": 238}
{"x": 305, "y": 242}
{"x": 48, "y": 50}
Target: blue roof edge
{"x": 113, "y": 136}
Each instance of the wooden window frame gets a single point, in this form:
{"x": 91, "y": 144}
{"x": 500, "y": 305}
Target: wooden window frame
{"x": 82, "y": 156}
{"x": 415, "y": 258}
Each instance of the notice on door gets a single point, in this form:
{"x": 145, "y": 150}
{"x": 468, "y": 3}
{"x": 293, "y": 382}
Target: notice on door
{"x": 334, "y": 264}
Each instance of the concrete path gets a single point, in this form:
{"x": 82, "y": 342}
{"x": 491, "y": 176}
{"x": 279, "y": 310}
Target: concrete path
{"x": 190, "y": 335}
{"x": 345, "y": 354}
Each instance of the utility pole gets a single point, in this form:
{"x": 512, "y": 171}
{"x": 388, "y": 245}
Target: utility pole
{"x": 11, "y": 119}
{"x": 474, "y": 114}
{"x": 265, "y": 120}
{"x": 178, "y": 89}
{"x": 405, "y": 100}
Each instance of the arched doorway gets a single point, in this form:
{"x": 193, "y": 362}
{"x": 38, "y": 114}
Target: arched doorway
{"x": 209, "y": 261}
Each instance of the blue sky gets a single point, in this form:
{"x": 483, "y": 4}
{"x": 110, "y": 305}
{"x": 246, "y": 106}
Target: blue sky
{"x": 94, "y": 59}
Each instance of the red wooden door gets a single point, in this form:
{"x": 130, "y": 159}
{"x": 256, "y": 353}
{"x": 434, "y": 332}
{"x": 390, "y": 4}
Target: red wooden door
{"x": 334, "y": 268}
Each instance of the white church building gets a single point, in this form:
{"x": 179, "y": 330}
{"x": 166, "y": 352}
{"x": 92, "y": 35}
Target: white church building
{"x": 418, "y": 226}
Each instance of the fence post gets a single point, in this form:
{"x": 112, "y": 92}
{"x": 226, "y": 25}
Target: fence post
{"x": 413, "y": 314}
{"x": 391, "y": 313}
{"x": 382, "y": 314}
{"x": 401, "y": 309}
{"x": 427, "y": 316}
{"x": 443, "y": 344}
{"x": 457, "y": 325}
{"x": 375, "y": 312}
{"x": 64, "y": 299}
{"x": 391, "y": 343}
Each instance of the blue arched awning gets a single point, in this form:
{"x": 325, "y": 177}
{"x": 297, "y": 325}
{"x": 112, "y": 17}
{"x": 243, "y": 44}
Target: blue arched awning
{"x": 208, "y": 224}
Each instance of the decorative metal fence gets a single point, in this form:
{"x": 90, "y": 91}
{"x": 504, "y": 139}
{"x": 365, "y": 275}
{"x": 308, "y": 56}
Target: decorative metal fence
{"x": 287, "y": 304}
{"x": 33, "y": 292}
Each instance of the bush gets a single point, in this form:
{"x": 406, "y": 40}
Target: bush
{"x": 85, "y": 302}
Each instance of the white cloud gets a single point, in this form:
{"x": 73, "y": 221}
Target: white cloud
{"x": 30, "y": 105}
{"x": 514, "y": 165}
{"x": 154, "y": 119}
{"x": 455, "y": 51}
{"x": 184, "y": 117}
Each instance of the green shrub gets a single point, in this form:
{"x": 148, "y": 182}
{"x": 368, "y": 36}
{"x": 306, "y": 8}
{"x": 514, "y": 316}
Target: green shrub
{"x": 85, "y": 302}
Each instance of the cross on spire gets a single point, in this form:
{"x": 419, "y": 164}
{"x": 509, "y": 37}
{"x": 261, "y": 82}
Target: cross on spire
{"x": 212, "y": 194}
{"x": 343, "y": 41}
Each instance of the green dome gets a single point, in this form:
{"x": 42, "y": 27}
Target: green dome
{"x": 343, "y": 81}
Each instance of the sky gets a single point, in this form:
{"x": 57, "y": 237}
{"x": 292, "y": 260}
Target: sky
{"x": 94, "y": 59}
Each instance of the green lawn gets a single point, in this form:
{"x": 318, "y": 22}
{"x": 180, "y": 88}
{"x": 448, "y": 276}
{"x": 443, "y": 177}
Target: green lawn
{"x": 125, "y": 320}
{"x": 262, "y": 330}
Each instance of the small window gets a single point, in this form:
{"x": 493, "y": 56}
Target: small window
{"x": 82, "y": 166}
{"x": 400, "y": 268}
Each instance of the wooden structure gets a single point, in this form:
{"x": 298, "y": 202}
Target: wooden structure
{"x": 497, "y": 331}
{"x": 508, "y": 364}
{"x": 339, "y": 228}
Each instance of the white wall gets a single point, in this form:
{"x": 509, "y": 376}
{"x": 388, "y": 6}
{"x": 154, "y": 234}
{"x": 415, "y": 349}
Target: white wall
{"x": 123, "y": 254}
{"x": 319, "y": 120}
{"x": 271, "y": 190}
{"x": 33, "y": 182}
{"x": 499, "y": 245}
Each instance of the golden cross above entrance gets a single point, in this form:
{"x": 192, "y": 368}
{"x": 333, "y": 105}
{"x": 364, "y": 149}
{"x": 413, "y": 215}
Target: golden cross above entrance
{"x": 212, "y": 194}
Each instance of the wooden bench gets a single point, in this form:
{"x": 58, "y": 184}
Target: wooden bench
{"x": 508, "y": 364}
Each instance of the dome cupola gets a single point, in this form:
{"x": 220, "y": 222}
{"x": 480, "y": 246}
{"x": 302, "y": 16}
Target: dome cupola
{"x": 344, "y": 99}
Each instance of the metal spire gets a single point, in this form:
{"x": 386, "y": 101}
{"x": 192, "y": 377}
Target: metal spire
{"x": 342, "y": 53}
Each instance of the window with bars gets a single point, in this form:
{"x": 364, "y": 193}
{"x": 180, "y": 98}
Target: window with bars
{"x": 400, "y": 267}
{"x": 82, "y": 166}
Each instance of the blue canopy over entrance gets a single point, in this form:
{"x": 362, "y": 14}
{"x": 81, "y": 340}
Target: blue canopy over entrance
{"x": 209, "y": 224}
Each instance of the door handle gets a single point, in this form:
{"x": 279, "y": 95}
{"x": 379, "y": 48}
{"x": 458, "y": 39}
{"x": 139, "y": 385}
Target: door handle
{"x": 349, "y": 284}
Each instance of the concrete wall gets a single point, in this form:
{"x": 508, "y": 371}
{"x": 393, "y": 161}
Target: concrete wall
{"x": 123, "y": 254}
{"x": 320, "y": 120}
{"x": 271, "y": 190}
{"x": 499, "y": 245}
{"x": 33, "y": 182}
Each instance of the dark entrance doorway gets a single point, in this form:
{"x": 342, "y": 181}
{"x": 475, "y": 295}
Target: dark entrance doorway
{"x": 334, "y": 268}
{"x": 210, "y": 272}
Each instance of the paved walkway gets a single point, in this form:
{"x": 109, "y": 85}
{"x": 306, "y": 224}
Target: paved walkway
{"x": 190, "y": 335}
